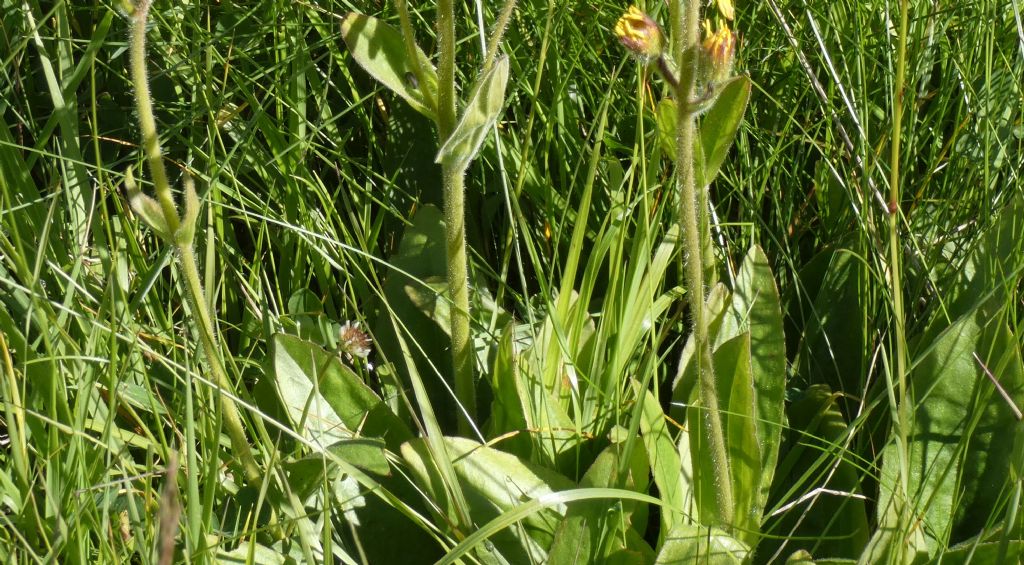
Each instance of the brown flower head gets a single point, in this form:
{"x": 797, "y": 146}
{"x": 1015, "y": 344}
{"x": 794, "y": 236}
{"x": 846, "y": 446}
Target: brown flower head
{"x": 353, "y": 341}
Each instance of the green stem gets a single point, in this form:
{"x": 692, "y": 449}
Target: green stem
{"x": 147, "y": 123}
{"x": 187, "y": 260}
{"x": 410, "y": 49}
{"x": 445, "y": 69}
{"x": 692, "y": 220}
{"x": 455, "y": 222}
{"x": 500, "y": 25}
{"x": 902, "y": 422}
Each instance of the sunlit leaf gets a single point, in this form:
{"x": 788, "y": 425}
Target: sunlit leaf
{"x": 482, "y": 111}
{"x": 718, "y": 127}
{"x": 664, "y": 461}
{"x": 667, "y": 115}
{"x": 380, "y": 50}
{"x": 494, "y": 482}
{"x": 325, "y": 399}
{"x": 958, "y": 447}
{"x": 756, "y": 308}
{"x": 687, "y": 544}
{"x": 251, "y": 553}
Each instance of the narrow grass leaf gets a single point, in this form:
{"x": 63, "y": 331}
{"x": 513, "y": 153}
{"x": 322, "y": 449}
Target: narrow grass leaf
{"x": 833, "y": 524}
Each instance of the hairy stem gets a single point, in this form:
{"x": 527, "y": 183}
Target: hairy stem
{"x": 410, "y": 48}
{"x": 498, "y": 33}
{"x": 455, "y": 222}
{"x": 187, "y": 260}
{"x": 691, "y": 215}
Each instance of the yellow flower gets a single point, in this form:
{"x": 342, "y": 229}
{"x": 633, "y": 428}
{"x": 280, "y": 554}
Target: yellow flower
{"x": 639, "y": 33}
{"x": 719, "y": 49}
{"x": 727, "y": 10}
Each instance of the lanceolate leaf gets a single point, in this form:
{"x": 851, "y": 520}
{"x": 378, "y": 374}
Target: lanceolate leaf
{"x": 718, "y": 128}
{"x": 380, "y": 50}
{"x": 736, "y": 406}
{"x": 664, "y": 462}
{"x": 756, "y": 308}
{"x": 326, "y": 399}
{"x": 482, "y": 111}
{"x": 667, "y": 115}
{"x": 696, "y": 544}
{"x": 961, "y": 442}
{"x": 494, "y": 482}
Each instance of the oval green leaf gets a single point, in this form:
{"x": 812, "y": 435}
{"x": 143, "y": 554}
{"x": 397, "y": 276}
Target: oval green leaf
{"x": 380, "y": 50}
{"x": 719, "y": 126}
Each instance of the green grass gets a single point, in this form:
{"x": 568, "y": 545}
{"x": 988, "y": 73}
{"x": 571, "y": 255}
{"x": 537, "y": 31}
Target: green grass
{"x": 321, "y": 205}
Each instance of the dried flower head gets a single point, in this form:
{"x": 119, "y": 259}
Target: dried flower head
{"x": 640, "y": 34}
{"x": 352, "y": 341}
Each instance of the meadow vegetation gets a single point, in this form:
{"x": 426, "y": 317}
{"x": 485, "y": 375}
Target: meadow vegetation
{"x": 519, "y": 282}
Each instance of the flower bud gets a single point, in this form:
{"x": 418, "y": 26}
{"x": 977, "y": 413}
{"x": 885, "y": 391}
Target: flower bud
{"x": 640, "y": 34}
{"x": 719, "y": 49}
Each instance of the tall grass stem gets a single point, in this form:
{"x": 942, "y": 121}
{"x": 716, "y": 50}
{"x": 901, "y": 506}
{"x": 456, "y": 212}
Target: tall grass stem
{"x": 904, "y": 405}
